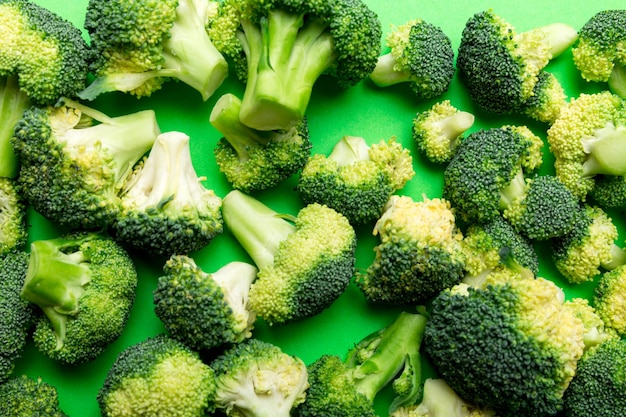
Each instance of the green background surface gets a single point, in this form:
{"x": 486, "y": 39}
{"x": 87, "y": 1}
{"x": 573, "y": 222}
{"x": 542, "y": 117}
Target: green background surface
{"x": 364, "y": 110}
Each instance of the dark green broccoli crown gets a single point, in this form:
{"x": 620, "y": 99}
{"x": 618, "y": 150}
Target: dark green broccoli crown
{"x": 605, "y": 30}
{"x": 17, "y": 314}
{"x": 609, "y": 191}
{"x": 12, "y": 217}
{"x": 599, "y": 386}
{"x": 24, "y": 396}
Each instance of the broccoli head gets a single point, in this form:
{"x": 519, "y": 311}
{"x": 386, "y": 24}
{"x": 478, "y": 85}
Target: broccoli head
{"x": 547, "y": 100}
{"x": 356, "y": 179}
{"x": 12, "y": 216}
{"x": 137, "y": 46}
{"x": 165, "y": 208}
{"x": 419, "y": 254}
{"x": 305, "y": 261}
{"x": 158, "y": 376}
{"x": 609, "y": 301}
{"x": 253, "y": 159}
{"x": 24, "y": 396}
{"x": 281, "y": 47}
{"x": 257, "y": 379}
{"x": 420, "y": 54}
{"x": 42, "y": 58}
{"x": 205, "y": 310}
{"x": 85, "y": 285}
{"x": 74, "y": 160}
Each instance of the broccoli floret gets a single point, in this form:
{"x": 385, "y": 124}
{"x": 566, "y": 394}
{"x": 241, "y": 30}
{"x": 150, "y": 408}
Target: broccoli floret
{"x": 599, "y": 384}
{"x": 12, "y": 216}
{"x": 85, "y": 285}
{"x": 510, "y": 345}
{"x": 42, "y": 58}
{"x": 356, "y": 179}
{"x": 137, "y": 46}
{"x": 596, "y": 331}
{"x": 609, "y": 191}
{"x": 547, "y": 99}
{"x": 420, "y": 54}
{"x": 438, "y": 130}
{"x": 491, "y": 174}
{"x": 598, "y": 51}
{"x": 501, "y": 66}
{"x": 281, "y": 47}
{"x": 74, "y": 160}
{"x": 305, "y": 261}
{"x": 348, "y": 387}
{"x": 589, "y": 246}
{"x": 165, "y": 208}
{"x": 609, "y": 301}
{"x": 17, "y": 314}
{"x": 257, "y": 379}
{"x": 587, "y": 140}
{"x": 252, "y": 159}
{"x": 23, "y": 396}
{"x": 205, "y": 310}
{"x": 158, "y": 376}
{"x": 419, "y": 253}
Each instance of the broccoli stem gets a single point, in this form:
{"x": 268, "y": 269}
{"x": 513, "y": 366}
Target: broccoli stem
{"x": 559, "y": 37}
{"x": 348, "y": 150}
{"x": 455, "y": 125}
{"x": 618, "y": 258}
{"x": 13, "y": 102}
{"x": 515, "y": 189}
{"x": 604, "y": 151}
{"x": 617, "y": 80}
{"x": 386, "y": 74}
{"x": 257, "y": 228}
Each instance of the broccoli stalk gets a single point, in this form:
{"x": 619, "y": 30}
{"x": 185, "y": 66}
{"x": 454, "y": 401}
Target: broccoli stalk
{"x": 605, "y": 151}
{"x": 13, "y": 102}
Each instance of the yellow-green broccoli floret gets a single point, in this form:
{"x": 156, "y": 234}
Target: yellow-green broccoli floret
{"x": 23, "y": 396}
{"x": 12, "y": 216}
{"x": 610, "y": 299}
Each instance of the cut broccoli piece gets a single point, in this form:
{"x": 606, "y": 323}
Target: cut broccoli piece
{"x": 23, "y": 396}
{"x": 12, "y": 216}
{"x": 547, "y": 99}
{"x": 609, "y": 191}
{"x": 356, "y": 179}
{"x": 609, "y": 300}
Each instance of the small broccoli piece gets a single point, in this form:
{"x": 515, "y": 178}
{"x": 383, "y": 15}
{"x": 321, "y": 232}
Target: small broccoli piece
{"x": 491, "y": 174}
{"x": 165, "y": 208}
{"x": 501, "y": 66}
{"x": 599, "y": 386}
{"x": 252, "y": 159}
{"x": 17, "y": 314}
{"x": 419, "y": 253}
{"x": 596, "y": 331}
{"x": 609, "y": 300}
{"x": 137, "y": 46}
{"x": 85, "y": 285}
{"x": 158, "y": 376}
{"x": 280, "y": 48}
{"x": 438, "y": 130}
{"x": 609, "y": 191}
{"x": 257, "y": 379}
{"x": 23, "y": 396}
{"x": 589, "y": 246}
{"x": 587, "y": 140}
{"x": 205, "y": 310}
{"x": 547, "y": 100}
{"x": 510, "y": 345}
{"x": 356, "y": 179}
{"x": 420, "y": 54}
{"x": 74, "y": 160}
{"x": 347, "y": 387}
{"x": 12, "y": 216}
{"x": 305, "y": 261}
{"x": 42, "y": 58}
{"x": 598, "y": 51}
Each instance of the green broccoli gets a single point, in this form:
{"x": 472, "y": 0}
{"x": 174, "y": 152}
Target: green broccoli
{"x": 205, "y": 310}
{"x": 438, "y": 130}
{"x": 42, "y": 58}
{"x": 85, "y": 285}
{"x": 305, "y": 261}
{"x": 501, "y": 67}
{"x": 609, "y": 191}
{"x": 257, "y": 379}
{"x": 598, "y": 53}
{"x": 17, "y": 314}
{"x": 589, "y": 246}
{"x": 547, "y": 100}
{"x": 23, "y": 396}
{"x": 280, "y": 48}
{"x": 72, "y": 167}
{"x": 389, "y": 357}
{"x": 510, "y": 345}
{"x": 356, "y": 179}
{"x": 420, "y": 54}
{"x": 599, "y": 386}
{"x": 419, "y": 253}
{"x": 165, "y": 208}
{"x": 137, "y": 46}
{"x": 587, "y": 140}
{"x": 158, "y": 376}
{"x": 492, "y": 174}
{"x": 252, "y": 159}
{"x": 12, "y": 216}
{"x": 609, "y": 301}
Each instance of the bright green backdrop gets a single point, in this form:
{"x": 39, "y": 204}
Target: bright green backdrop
{"x": 364, "y": 110}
